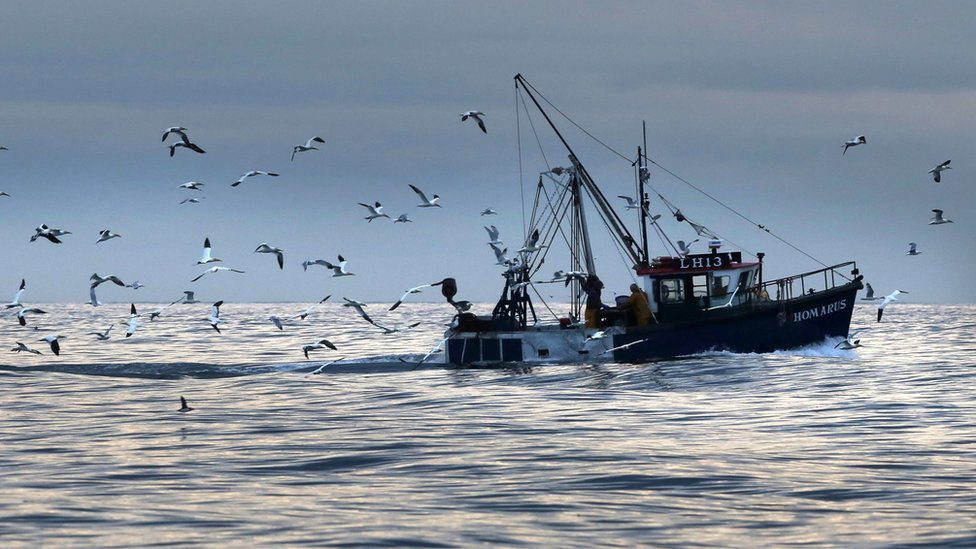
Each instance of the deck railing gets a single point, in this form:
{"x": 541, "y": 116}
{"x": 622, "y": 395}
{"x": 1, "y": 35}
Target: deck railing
{"x": 811, "y": 282}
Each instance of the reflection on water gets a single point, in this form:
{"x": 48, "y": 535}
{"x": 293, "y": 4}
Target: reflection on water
{"x": 813, "y": 447}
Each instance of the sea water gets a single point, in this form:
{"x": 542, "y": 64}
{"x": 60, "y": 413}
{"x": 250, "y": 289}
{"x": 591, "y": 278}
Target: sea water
{"x": 874, "y": 447}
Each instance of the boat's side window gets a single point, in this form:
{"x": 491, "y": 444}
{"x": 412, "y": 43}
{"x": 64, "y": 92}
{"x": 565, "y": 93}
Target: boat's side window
{"x": 720, "y": 285}
{"x": 699, "y": 286}
{"x": 672, "y": 290}
{"x": 745, "y": 280}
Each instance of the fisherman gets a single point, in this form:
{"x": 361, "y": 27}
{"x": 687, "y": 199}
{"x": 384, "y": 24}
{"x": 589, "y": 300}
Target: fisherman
{"x": 594, "y": 302}
{"x": 637, "y": 303}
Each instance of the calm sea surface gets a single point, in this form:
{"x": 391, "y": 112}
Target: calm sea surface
{"x": 817, "y": 447}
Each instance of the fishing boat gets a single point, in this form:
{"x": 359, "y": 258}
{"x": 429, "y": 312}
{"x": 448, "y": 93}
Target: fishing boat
{"x": 717, "y": 300}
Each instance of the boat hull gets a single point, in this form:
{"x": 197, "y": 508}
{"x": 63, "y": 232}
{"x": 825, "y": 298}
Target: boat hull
{"x": 758, "y": 327}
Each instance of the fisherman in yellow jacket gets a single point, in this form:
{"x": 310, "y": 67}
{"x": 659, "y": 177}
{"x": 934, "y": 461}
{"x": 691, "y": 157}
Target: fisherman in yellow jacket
{"x": 637, "y": 303}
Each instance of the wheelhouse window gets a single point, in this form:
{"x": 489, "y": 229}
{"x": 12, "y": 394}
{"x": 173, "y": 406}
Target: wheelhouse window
{"x": 699, "y": 285}
{"x": 720, "y": 285}
{"x": 672, "y": 290}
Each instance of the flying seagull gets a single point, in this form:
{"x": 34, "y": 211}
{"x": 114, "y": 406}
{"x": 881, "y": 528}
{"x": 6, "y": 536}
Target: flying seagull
{"x": 22, "y": 347}
{"x": 178, "y": 130}
{"x": 404, "y": 218}
{"x": 406, "y": 294}
{"x": 532, "y": 244}
{"x": 252, "y": 173}
{"x": 849, "y": 342}
{"x": 193, "y": 200}
{"x": 500, "y": 258}
{"x": 893, "y": 296}
{"x": 188, "y": 297}
{"x": 308, "y": 310}
{"x": 265, "y": 249}
{"x": 358, "y": 306}
{"x": 103, "y": 336}
{"x": 488, "y": 211}
{"x": 388, "y": 331}
{"x": 685, "y": 249}
{"x": 107, "y": 235}
{"x": 276, "y": 321}
{"x": 53, "y": 342}
{"x": 185, "y": 144}
{"x": 309, "y": 262}
{"x": 937, "y": 171}
{"x": 215, "y": 269}
{"x": 869, "y": 295}
{"x": 937, "y": 219}
{"x": 307, "y": 146}
{"x": 911, "y": 249}
{"x": 631, "y": 203}
{"x": 477, "y": 116}
{"x": 97, "y": 280}
{"x": 44, "y": 231}
{"x": 3, "y": 193}
{"x": 859, "y": 140}
{"x": 184, "y": 407}
{"x": 15, "y": 302}
{"x": 340, "y": 269}
{"x": 192, "y": 185}
{"x": 135, "y": 285}
{"x": 375, "y": 211}
{"x": 493, "y": 235}
{"x": 133, "y": 321}
{"x": 207, "y": 256}
{"x": 153, "y": 315}
{"x": 317, "y": 345}
{"x": 214, "y": 317}
{"x": 424, "y": 202}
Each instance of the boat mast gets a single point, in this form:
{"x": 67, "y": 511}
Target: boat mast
{"x": 581, "y": 217}
{"x": 643, "y": 174}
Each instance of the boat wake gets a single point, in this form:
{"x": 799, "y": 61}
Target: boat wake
{"x": 824, "y": 349}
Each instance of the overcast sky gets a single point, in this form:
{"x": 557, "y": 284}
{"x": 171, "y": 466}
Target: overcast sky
{"x": 749, "y": 101}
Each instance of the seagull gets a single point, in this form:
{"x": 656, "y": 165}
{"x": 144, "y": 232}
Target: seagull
{"x": 375, "y": 211}
{"x": 425, "y": 203}
{"x": 135, "y": 285}
{"x": 358, "y": 305}
{"x": 15, "y": 302}
{"x": 912, "y": 250}
{"x": 153, "y": 315}
{"x": 21, "y": 347}
{"x": 215, "y": 269}
{"x": 103, "y": 336}
{"x": 184, "y": 407}
{"x": 937, "y": 171}
{"x": 188, "y": 297}
{"x": 308, "y": 262}
{"x": 893, "y": 296}
{"x": 186, "y": 144}
{"x": 388, "y": 331}
{"x": 207, "y": 257}
{"x": 318, "y": 370}
{"x": 317, "y": 345}
{"x": 461, "y": 306}
{"x": 2, "y": 148}
{"x": 631, "y": 203}
{"x": 340, "y": 269}
{"x": 406, "y": 294}
{"x": 308, "y": 310}
{"x": 192, "y": 200}
{"x": 53, "y": 342}
{"x": 531, "y": 244}
{"x": 107, "y": 235}
{"x": 869, "y": 295}
{"x": 685, "y": 249}
{"x": 265, "y": 249}
{"x": 625, "y": 346}
{"x": 214, "y": 317}
{"x": 859, "y": 140}
{"x": 595, "y": 336}
{"x": 192, "y": 185}
{"x": 477, "y": 116}
{"x": 937, "y": 219}
{"x": 97, "y": 280}
{"x": 252, "y": 173}
{"x": 133, "y": 321}
{"x": 47, "y": 232}
{"x": 403, "y": 219}
{"x": 307, "y": 146}
{"x": 500, "y": 258}
{"x": 488, "y": 211}
{"x": 493, "y": 235}
{"x": 179, "y": 130}
{"x": 849, "y": 343}
{"x": 276, "y": 321}
{"x": 92, "y": 298}
{"x": 3, "y": 193}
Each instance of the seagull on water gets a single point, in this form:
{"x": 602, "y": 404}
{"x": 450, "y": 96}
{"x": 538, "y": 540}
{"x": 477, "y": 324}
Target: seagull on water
{"x": 340, "y": 269}
{"x": 869, "y": 295}
{"x": 265, "y": 249}
{"x": 318, "y": 345}
{"x": 178, "y": 130}
{"x": 424, "y": 202}
{"x": 215, "y": 269}
{"x": 850, "y": 342}
{"x": 184, "y": 407}
{"x": 22, "y": 347}
{"x": 403, "y": 219}
{"x": 133, "y": 321}
{"x": 477, "y": 116}
{"x": 358, "y": 306}
{"x": 375, "y": 211}
{"x": 493, "y": 235}
{"x": 937, "y": 171}
{"x": 107, "y": 235}
{"x": 937, "y": 219}
{"x": 44, "y": 231}
{"x": 488, "y": 211}
{"x": 103, "y": 336}
{"x": 532, "y": 244}
{"x": 214, "y": 317}
{"x": 192, "y": 185}
{"x": 406, "y": 294}
{"x": 859, "y": 140}
{"x": 53, "y": 342}
{"x": 893, "y": 296}
{"x": 631, "y": 203}
{"x": 15, "y": 302}
{"x": 306, "y": 147}
{"x": 207, "y": 256}
{"x": 252, "y": 173}
{"x": 911, "y": 249}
